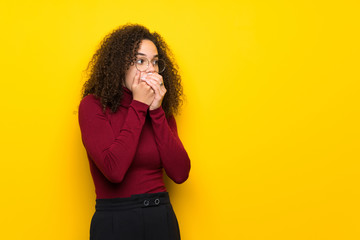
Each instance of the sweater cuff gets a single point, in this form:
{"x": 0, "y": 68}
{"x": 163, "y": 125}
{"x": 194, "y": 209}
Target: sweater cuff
{"x": 156, "y": 113}
{"x": 139, "y": 105}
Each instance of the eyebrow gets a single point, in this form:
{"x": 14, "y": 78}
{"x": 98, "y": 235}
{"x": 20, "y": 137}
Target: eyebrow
{"x": 143, "y": 54}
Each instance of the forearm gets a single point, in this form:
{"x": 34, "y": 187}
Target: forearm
{"x": 112, "y": 154}
{"x": 173, "y": 155}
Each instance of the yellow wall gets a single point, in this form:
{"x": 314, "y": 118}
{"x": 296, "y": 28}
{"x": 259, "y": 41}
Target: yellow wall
{"x": 271, "y": 121}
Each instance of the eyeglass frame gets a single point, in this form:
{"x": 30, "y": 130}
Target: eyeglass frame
{"x": 148, "y": 64}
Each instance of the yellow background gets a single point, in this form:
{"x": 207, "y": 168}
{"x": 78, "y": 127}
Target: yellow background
{"x": 271, "y": 117}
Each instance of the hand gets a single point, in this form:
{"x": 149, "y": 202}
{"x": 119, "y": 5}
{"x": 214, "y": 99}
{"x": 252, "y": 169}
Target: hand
{"x": 155, "y": 81}
{"x": 141, "y": 91}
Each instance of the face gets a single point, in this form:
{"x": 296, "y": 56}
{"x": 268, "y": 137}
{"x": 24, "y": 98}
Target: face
{"x": 146, "y": 49}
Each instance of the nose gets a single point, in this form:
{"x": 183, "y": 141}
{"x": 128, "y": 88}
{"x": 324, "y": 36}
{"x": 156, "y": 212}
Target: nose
{"x": 151, "y": 67}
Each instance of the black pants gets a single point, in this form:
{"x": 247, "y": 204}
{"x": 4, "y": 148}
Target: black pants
{"x": 148, "y": 216}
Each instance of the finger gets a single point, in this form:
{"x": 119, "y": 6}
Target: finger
{"x": 151, "y": 74}
{"x": 145, "y": 81}
{"x": 155, "y": 76}
{"x": 157, "y": 79}
{"x": 160, "y": 86}
{"x": 154, "y": 85}
{"x": 143, "y": 75}
{"x": 147, "y": 86}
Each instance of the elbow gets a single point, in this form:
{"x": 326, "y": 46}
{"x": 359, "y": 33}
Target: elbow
{"x": 114, "y": 177}
{"x": 181, "y": 177}
{"x": 111, "y": 171}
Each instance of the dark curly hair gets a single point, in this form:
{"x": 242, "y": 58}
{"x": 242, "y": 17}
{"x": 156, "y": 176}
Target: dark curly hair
{"x": 107, "y": 68}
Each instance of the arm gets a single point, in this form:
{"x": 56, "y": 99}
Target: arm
{"x": 173, "y": 156}
{"x": 111, "y": 154}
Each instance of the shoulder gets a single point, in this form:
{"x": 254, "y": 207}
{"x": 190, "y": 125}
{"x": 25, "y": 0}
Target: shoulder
{"x": 89, "y": 105}
{"x": 170, "y": 118}
{"x": 90, "y": 102}
{"x": 171, "y": 121}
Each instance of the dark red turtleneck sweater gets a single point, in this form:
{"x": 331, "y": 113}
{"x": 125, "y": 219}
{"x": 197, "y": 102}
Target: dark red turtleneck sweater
{"x": 128, "y": 149}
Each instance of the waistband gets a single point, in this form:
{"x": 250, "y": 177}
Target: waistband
{"x": 135, "y": 201}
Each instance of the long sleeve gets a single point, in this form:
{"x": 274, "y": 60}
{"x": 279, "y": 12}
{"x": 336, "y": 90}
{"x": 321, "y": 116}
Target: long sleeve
{"x": 112, "y": 154}
{"x": 174, "y": 157}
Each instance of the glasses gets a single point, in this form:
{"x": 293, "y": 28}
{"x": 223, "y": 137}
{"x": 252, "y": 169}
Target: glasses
{"x": 142, "y": 64}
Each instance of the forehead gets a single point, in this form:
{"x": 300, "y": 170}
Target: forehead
{"x": 147, "y": 48}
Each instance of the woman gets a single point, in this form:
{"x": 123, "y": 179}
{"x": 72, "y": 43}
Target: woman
{"x": 129, "y": 131}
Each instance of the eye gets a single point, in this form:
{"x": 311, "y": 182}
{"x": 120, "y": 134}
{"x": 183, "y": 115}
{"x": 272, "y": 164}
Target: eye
{"x": 140, "y": 61}
{"x": 155, "y": 62}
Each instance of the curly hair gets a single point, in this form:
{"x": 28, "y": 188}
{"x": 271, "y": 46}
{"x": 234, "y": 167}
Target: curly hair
{"x": 117, "y": 51}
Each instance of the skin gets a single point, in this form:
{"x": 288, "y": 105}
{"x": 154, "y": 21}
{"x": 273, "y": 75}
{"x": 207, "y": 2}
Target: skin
{"x": 145, "y": 85}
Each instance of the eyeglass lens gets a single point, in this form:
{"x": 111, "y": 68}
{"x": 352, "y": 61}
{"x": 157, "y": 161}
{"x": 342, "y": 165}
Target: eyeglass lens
{"x": 142, "y": 64}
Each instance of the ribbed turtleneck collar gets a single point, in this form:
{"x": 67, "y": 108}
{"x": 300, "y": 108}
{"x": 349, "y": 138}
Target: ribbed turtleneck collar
{"x": 127, "y": 97}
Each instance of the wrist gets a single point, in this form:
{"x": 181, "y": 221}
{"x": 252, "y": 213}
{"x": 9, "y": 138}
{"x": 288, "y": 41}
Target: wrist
{"x": 153, "y": 108}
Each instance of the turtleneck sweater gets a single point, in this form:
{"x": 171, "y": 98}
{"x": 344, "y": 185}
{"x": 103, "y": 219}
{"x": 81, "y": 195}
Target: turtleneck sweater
{"x": 128, "y": 150}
